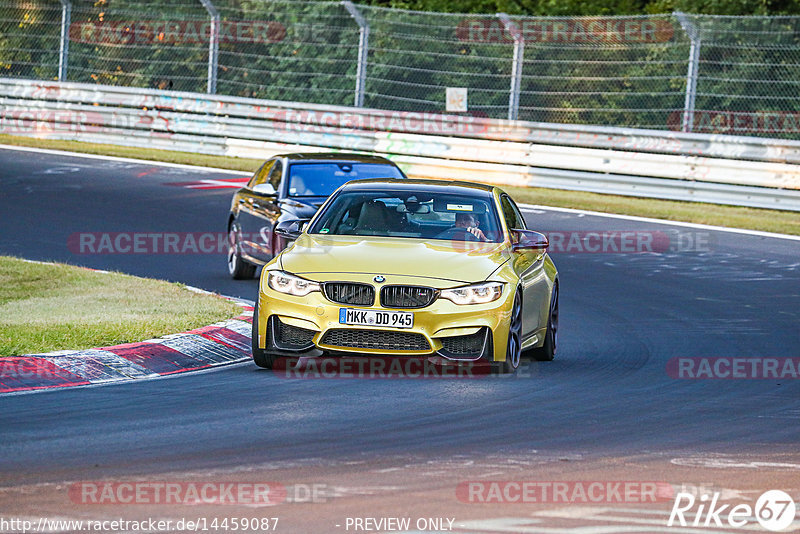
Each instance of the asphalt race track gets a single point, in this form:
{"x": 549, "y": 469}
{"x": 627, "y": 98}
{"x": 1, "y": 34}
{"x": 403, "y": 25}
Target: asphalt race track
{"x": 607, "y": 394}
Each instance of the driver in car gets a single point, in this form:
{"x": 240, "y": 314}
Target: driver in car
{"x": 468, "y": 222}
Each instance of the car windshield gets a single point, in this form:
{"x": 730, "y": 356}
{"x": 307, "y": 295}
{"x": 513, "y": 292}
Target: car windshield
{"x": 447, "y": 216}
{"x": 322, "y": 179}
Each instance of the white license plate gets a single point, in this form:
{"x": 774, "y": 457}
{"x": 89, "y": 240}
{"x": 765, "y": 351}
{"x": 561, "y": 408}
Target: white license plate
{"x": 393, "y": 319}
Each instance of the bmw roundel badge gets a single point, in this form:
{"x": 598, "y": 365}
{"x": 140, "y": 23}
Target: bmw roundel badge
{"x": 380, "y": 279}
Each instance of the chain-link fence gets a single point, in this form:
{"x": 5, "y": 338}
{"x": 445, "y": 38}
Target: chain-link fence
{"x": 738, "y": 75}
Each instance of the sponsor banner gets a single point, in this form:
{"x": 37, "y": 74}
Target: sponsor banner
{"x": 590, "y": 30}
{"x": 563, "y": 492}
{"x": 734, "y": 368}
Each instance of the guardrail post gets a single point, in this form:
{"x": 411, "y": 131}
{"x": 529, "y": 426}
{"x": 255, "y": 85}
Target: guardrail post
{"x": 213, "y": 46}
{"x": 363, "y": 49}
{"x": 63, "y": 50}
{"x": 516, "y": 65}
{"x": 687, "y": 125}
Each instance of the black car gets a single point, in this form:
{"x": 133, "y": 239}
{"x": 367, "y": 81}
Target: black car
{"x": 287, "y": 190}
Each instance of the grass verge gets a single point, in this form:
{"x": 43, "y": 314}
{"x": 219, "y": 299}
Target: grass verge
{"x": 55, "y": 307}
{"x": 786, "y": 222}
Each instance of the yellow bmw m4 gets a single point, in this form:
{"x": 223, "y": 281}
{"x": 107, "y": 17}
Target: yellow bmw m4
{"x": 410, "y": 268}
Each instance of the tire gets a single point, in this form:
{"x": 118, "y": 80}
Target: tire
{"x": 547, "y": 351}
{"x": 261, "y": 357}
{"x": 514, "y": 345}
{"x": 237, "y": 267}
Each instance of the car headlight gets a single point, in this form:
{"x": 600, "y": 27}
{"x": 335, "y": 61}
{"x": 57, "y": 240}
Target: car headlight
{"x": 474, "y": 294}
{"x": 290, "y": 284}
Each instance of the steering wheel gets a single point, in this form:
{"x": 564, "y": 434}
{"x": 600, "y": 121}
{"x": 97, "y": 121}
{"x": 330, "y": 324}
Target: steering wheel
{"x": 457, "y": 232}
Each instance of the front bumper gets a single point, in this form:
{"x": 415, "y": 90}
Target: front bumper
{"x": 309, "y": 325}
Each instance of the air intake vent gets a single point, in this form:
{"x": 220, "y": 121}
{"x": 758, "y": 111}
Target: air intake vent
{"x": 470, "y": 345}
{"x": 293, "y": 336}
{"x": 375, "y": 339}
{"x": 350, "y": 293}
{"x": 407, "y": 296}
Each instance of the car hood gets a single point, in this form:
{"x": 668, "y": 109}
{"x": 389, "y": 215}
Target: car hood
{"x": 432, "y": 259}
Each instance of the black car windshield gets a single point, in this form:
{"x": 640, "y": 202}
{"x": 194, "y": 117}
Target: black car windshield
{"x": 322, "y": 179}
{"x": 448, "y": 216}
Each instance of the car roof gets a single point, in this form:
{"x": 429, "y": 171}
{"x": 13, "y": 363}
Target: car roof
{"x": 309, "y": 157}
{"x": 417, "y": 185}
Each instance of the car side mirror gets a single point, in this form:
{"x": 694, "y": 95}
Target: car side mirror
{"x": 291, "y": 228}
{"x": 265, "y": 189}
{"x": 528, "y": 240}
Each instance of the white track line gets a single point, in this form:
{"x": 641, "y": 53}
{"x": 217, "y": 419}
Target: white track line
{"x": 125, "y": 160}
{"x": 532, "y": 207}
{"x": 524, "y": 207}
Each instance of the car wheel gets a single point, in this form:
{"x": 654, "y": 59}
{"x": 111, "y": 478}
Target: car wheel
{"x": 514, "y": 345}
{"x": 547, "y": 351}
{"x": 261, "y": 357}
{"x": 237, "y": 267}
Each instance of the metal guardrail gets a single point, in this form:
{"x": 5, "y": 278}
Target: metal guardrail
{"x": 680, "y": 71}
{"x": 708, "y": 168}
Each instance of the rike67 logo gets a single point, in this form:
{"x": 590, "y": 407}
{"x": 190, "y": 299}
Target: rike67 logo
{"x": 774, "y": 510}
